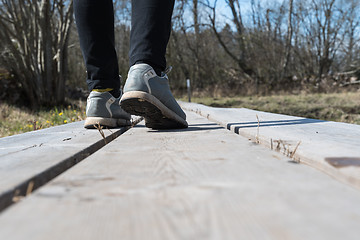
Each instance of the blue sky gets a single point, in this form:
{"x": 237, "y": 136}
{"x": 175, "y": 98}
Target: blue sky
{"x": 224, "y": 12}
{"x": 244, "y": 4}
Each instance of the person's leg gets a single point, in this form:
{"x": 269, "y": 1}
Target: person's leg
{"x": 150, "y": 32}
{"x": 95, "y": 24}
{"x": 147, "y": 92}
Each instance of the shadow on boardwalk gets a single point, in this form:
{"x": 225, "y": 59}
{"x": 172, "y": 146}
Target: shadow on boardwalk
{"x": 192, "y": 127}
{"x": 237, "y": 126}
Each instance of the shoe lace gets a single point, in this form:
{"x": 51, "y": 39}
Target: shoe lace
{"x": 168, "y": 70}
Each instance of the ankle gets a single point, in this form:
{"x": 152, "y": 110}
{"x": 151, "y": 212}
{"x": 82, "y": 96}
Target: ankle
{"x": 158, "y": 69}
{"x": 114, "y": 92}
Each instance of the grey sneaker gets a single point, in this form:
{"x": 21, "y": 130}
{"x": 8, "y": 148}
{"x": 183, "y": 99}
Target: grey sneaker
{"x": 147, "y": 94}
{"x": 104, "y": 110}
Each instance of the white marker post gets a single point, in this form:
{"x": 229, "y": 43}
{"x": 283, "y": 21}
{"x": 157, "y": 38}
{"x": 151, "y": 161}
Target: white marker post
{"x": 188, "y": 89}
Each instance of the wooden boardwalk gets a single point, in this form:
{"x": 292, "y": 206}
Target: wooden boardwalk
{"x": 204, "y": 182}
{"x": 331, "y": 147}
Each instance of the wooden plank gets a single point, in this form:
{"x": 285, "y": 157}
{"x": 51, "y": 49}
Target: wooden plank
{"x": 203, "y": 182}
{"x": 331, "y": 147}
{"x": 29, "y": 160}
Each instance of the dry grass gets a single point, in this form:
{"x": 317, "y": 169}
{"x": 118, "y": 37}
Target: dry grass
{"x": 340, "y": 107}
{"x": 15, "y": 120}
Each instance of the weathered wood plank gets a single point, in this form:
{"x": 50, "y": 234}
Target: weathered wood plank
{"x": 331, "y": 147}
{"x": 29, "y": 160}
{"x": 203, "y": 182}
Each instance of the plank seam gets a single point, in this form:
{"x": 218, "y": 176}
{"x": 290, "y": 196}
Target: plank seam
{"x": 24, "y": 189}
{"x": 293, "y": 155}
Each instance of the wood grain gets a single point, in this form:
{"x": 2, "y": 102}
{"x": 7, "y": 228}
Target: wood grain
{"x": 29, "y": 160}
{"x": 308, "y": 141}
{"x": 203, "y": 182}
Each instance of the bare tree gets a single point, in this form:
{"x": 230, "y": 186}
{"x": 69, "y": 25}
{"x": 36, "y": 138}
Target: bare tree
{"x": 190, "y": 32}
{"x": 325, "y": 33}
{"x": 35, "y": 35}
{"x": 288, "y": 39}
{"x": 353, "y": 24}
{"x": 239, "y": 56}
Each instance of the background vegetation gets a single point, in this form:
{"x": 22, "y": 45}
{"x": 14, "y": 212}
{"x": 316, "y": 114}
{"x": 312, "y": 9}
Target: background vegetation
{"x": 339, "y": 107}
{"x": 225, "y": 47}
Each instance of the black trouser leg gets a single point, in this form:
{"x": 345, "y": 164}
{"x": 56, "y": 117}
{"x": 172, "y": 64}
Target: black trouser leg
{"x": 95, "y": 24}
{"x": 150, "y": 31}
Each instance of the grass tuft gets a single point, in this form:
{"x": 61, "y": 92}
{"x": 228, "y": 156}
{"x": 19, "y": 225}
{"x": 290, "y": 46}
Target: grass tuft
{"x": 338, "y": 107}
{"x": 15, "y": 120}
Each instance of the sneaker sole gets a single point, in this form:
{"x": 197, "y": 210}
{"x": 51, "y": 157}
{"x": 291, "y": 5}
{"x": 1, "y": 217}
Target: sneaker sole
{"x": 156, "y": 114}
{"x": 92, "y": 122}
